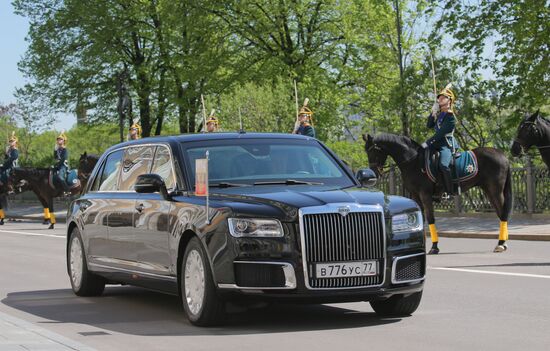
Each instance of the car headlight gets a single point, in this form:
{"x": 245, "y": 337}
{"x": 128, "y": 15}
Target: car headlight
{"x": 407, "y": 222}
{"x": 251, "y": 227}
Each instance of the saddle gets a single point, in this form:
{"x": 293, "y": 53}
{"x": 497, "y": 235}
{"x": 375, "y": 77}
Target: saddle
{"x": 71, "y": 180}
{"x": 463, "y": 166}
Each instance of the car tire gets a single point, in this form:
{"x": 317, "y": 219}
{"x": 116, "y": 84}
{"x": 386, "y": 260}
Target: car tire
{"x": 198, "y": 293}
{"x": 83, "y": 282}
{"x": 397, "y": 305}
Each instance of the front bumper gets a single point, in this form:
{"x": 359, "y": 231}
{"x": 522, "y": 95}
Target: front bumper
{"x": 404, "y": 274}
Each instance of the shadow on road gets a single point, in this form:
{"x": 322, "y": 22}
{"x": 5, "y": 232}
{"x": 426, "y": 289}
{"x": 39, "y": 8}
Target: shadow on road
{"x": 136, "y": 311}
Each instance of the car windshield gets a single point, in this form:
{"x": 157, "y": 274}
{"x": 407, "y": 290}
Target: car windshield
{"x": 261, "y": 162}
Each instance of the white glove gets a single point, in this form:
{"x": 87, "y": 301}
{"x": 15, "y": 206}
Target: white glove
{"x": 296, "y": 126}
{"x": 435, "y": 109}
{"x": 424, "y": 145}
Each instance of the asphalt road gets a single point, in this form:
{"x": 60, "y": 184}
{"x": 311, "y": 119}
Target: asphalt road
{"x": 473, "y": 300}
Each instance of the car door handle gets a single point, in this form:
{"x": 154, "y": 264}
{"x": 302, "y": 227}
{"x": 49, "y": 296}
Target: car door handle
{"x": 140, "y": 208}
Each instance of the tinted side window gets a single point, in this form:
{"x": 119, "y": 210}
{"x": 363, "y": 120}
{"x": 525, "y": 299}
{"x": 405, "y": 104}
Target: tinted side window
{"x": 111, "y": 170}
{"x": 97, "y": 179}
{"x": 162, "y": 166}
{"x": 137, "y": 160}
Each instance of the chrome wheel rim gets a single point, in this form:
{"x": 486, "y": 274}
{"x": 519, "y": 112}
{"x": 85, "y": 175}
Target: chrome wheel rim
{"x": 76, "y": 262}
{"x": 194, "y": 282}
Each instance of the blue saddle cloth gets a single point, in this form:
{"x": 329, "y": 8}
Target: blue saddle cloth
{"x": 71, "y": 180}
{"x": 464, "y": 168}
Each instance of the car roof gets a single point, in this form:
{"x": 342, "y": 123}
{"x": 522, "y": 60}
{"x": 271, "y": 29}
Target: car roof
{"x": 209, "y": 136}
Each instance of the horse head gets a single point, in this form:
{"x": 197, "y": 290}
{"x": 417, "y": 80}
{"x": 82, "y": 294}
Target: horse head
{"x": 529, "y": 133}
{"x": 377, "y": 156}
{"x": 86, "y": 165}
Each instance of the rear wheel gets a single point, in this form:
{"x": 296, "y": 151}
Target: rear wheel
{"x": 397, "y": 305}
{"x": 83, "y": 282}
{"x": 198, "y": 292}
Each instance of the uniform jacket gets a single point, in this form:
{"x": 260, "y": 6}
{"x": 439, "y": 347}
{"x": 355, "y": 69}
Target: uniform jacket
{"x": 444, "y": 126}
{"x": 10, "y": 159}
{"x": 61, "y": 156}
{"x": 307, "y": 130}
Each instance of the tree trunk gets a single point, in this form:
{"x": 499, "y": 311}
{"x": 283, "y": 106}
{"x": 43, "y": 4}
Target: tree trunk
{"x": 403, "y": 105}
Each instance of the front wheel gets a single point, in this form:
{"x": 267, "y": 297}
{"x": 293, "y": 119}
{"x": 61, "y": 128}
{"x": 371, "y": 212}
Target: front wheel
{"x": 83, "y": 282}
{"x": 397, "y": 305}
{"x": 198, "y": 292}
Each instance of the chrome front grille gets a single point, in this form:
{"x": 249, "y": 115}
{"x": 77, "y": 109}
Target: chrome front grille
{"x": 331, "y": 237}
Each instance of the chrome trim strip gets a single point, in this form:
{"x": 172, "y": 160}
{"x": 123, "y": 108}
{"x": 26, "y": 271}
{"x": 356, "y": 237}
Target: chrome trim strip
{"x": 333, "y": 208}
{"x": 394, "y": 264}
{"x": 288, "y": 270}
{"x": 164, "y": 277}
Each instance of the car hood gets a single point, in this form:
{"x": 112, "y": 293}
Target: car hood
{"x": 284, "y": 201}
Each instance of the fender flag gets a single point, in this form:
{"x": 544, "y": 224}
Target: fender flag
{"x": 201, "y": 177}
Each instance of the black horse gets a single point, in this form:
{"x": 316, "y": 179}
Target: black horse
{"x": 86, "y": 165}
{"x": 38, "y": 180}
{"x": 6, "y": 189}
{"x": 494, "y": 177}
{"x": 533, "y": 130}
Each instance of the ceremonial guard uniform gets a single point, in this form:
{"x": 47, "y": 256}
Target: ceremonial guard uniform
{"x": 212, "y": 124}
{"x": 61, "y": 155}
{"x": 443, "y": 121}
{"x": 134, "y": 132}
{"x": 303, "y": 125}
{"x": 10, "y": 159}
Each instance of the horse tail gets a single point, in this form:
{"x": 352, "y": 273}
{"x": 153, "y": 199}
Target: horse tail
{"x": 508, "y": 196}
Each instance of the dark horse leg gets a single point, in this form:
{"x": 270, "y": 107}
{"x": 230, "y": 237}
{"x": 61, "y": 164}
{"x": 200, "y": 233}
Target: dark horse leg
{"x": 44, "y": 203}
{"x": 52, "y": 215}
{"x": 427, "y": 203}
{"x": 500, "y": 196}
{"x": 2, "y": 214}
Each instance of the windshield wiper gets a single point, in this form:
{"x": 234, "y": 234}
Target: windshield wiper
{"x": 227, "y": 185}
{"x": 288, "y": 182}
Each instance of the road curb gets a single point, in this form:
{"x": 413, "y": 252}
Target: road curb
{"x": 35, "y": 219}
{"x": 516, "y": 236}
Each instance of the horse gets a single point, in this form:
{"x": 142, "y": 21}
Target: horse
{"x": 86, "y": 165}
{"x": 6, "y": 189}
{"x": 533, "y": 130}
{"x": 38, "y": 180}
{"x": 494, "y": 176}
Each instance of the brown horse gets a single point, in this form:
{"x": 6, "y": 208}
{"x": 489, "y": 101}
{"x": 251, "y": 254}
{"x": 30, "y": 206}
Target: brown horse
{"x": 494, "y": 177}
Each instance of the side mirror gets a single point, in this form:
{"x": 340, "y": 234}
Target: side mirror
{"x": 366, "y": 177}
{"x": 151, "y": 183}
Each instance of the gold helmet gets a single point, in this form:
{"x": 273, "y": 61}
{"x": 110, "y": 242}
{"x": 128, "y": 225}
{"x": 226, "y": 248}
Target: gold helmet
{"x": 306, "y": 111}
{"x": 212, "y": 119}
{"x": 63, "y": 136}
{"x": 13, "y": 138}
{"x": 136, "y": 126}
{"x": 448, "y": 93}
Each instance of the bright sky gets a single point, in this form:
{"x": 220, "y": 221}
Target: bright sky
{"x": 13, "y": 30}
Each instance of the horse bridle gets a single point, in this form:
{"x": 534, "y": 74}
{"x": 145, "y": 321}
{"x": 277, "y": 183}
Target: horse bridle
{"x": 381, "y": 168}
{"x": 537, "y": 132}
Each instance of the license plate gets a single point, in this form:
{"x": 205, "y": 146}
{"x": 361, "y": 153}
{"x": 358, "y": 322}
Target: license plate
{"x": 346, "y": 269}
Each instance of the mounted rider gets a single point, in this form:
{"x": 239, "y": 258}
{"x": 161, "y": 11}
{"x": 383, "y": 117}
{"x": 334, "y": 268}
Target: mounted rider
{"x": 61, "y": 156}
{"x": 443, "y": 121}
{"x": 10, "y": 160}
{"x": 303, "y": 125}
{"x": 134, "y": 133}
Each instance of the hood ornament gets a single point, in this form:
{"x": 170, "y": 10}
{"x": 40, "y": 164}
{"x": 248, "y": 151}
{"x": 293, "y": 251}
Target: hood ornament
{"x": 344, "y": 210}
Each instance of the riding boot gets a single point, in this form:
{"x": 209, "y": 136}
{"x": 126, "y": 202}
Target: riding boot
{"x": 447, "y": 183}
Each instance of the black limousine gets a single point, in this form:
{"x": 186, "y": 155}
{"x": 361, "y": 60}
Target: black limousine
{"x": 285, "y": 220}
